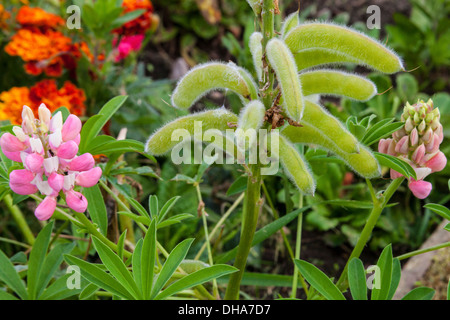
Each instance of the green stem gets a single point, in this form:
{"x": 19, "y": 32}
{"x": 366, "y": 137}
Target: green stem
{"x": 378, "y": 206}
{"x": 277, "y": 216}
{"x": 220, "y": 223}
{"x": 252, "y": 205}
{"x": 207, "y": 242}
{"x": 298, "y": 244}
{"x": 417, "y": 252}
{"x": 19, "y": 218}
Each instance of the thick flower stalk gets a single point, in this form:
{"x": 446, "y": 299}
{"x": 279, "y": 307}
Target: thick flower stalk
{"x": 418, "y": 144}
{"x": 47, "y": 147}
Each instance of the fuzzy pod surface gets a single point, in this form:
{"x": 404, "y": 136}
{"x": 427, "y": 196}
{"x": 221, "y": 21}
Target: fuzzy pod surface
{"x": 207, "y": 77}
{"x": 161, "y": 141}
{"x": 363, "y": 163}
{"x": 255, "y": 45}
{"x": 337, "y": 83}
{"x": 344, "y": 40}
{"x": 283, "y": 63}
{"x": 294, "y": 165}
{"x": 327, "y": 125}
{"x": 314, "y": 57}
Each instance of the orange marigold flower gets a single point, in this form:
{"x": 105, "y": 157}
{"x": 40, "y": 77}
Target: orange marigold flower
{"x": 142, "y": 23}
{"x": 38, "y": 18}
{"x": 11, "y": 103}
{"x": 45, "y": 91}
{"x": 42, "y": 51}
{"x": 4, "y": 15}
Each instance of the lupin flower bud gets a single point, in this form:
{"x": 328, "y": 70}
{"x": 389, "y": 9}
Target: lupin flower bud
{"x": 418, "y": 144}
{"x": 48, "y": 149}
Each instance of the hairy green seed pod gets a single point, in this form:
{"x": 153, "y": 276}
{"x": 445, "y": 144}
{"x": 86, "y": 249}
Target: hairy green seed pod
{"x": 327, "y": 125}
{"x": 363, "y": 163}
{"x": 283, "y": 63}
{"x": 212, "y": 76}
{"x": 250, "y": 120}
{"x": 294, "y": 165}
{"x": 345, "y": 41}
{"x": 314, "y": 57}
{"x": 252, "y": 115}
{"x": 256, "y": 51}
{"x": 161, "y": 141}
{"x": 337, "y": 83}
{"x": 289, "y": 23}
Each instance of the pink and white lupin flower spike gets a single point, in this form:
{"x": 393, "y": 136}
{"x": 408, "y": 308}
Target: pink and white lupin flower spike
{"x": 47, "y": 147}
{"x": 417, "y": 143}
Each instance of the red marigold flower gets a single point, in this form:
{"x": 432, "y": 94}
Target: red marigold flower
{"x": 30, "y": 17}
{"x": 142, "y": 23}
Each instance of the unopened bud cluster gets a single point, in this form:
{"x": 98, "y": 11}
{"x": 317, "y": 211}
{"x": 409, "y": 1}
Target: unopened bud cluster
{"x": 418, "y": 144}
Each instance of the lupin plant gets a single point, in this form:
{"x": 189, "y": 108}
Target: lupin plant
{"x": 283, "y": 100}
{"x": 47, "y": 147}
{"x": 418, "y": 144}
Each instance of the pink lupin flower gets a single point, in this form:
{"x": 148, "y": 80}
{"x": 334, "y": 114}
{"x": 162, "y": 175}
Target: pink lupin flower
{"x": 11, "y": 143}
{"x": 420, "y": 189}
{"x": 88, "y": 178}
{"x": 417, "y": 143}
{"x": 45, "y": 209}
{"x": 20, "y": 181}
{"x": 76, "y": 201}
{"x": 48, "y": 149}
{"x": 71, "y": 128}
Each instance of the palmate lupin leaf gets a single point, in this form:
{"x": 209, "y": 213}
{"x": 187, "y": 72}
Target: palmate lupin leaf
{"x": 343, "y": 41}
{"x": 283, "y": 63}
{"x": 211, "y": 76}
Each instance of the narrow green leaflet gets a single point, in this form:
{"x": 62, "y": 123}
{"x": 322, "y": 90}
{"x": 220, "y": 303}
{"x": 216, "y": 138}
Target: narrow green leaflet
{"x": 444, "y": 212}
{"x": 381, "y": 130}
{"x": 96, "y": 208}
{"x": 319, "y": 280}
{"x": 396, "y": 275}
{"x": 173, "y": 261}
{"x": 238, "y": 186}
{"x": 117, "y": 268}
{"x": 196, "y": 278}
{"x": 421, "y": 293}
{"x": 148, "y": 260}
{"x": 96, "y": 275}
{"x": 36, "y": 261}
{"x": 95, "y": 124}
{"x": 357, "y": 279}
{"x": 385, "y": 262}
{"x": 51, "y": 263}
{"x": 153, "y": 206}
{"x": 166, "y": 207}
{"x": 394, "y": 163}
{"x": 10, "y": 277}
